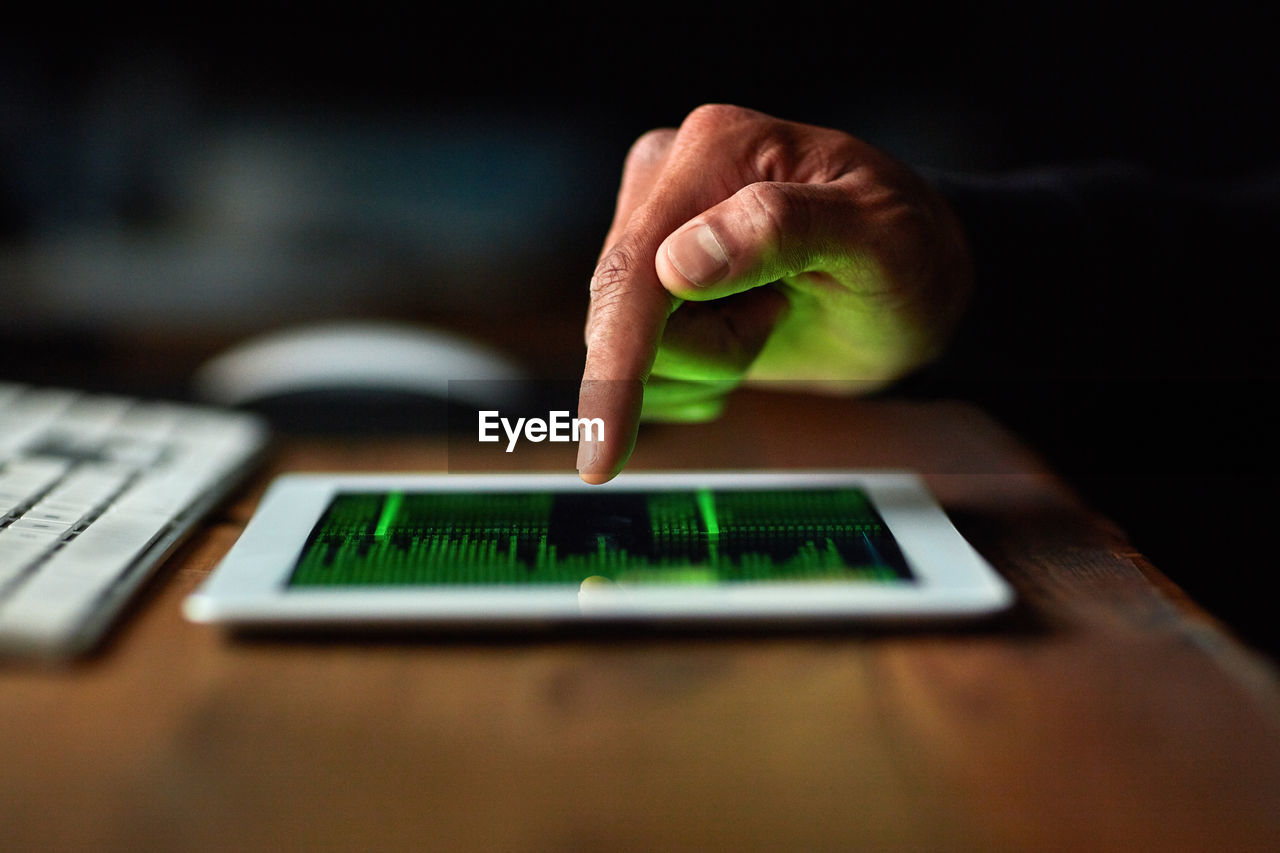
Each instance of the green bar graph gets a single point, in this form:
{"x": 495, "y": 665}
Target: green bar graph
{"x": 689, "y": 537}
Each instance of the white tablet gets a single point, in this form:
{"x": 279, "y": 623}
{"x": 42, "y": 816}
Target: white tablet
{"x": 520, "y": 551}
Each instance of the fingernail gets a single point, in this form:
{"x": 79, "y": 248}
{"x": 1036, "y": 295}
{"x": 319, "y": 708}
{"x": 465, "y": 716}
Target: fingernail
{"x": 698, "y": 255}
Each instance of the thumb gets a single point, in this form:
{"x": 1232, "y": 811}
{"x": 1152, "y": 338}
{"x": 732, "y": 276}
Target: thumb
{"x": 764, "y": 232}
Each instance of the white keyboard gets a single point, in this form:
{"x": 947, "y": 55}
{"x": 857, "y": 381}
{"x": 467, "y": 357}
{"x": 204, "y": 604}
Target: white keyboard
{"x": 95, "y": 491}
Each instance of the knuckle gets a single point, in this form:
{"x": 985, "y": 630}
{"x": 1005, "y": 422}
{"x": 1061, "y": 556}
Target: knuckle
{"x": 715, "y": 117}
{"x": 773, "y": 157}
{"x": 611, "y": 275}
{"x": 785, "y": 151}
{"x": 778, "y": 151}
{"x": 782, "y": 221}
{"x": 772, "y": 210}
{"x": 650, "y": 147}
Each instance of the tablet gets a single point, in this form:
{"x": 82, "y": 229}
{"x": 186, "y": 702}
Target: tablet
{"x": 520, "y": 551}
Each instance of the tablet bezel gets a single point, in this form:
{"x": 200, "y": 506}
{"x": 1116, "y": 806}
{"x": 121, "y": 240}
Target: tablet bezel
{"x": 249, "y": 587}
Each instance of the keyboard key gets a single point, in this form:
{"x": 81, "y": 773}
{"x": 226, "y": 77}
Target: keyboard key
{"x": 101, "y": 553}
{"x": 17, "y": 554}
{"x": 36, "y": 525}
{"x": 45, "y": 609}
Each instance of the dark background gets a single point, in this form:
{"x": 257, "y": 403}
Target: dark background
{"x": 180, "y": 184}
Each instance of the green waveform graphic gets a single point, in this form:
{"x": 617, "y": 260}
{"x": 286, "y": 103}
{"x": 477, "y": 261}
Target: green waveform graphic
{"x": 673, "y": 537}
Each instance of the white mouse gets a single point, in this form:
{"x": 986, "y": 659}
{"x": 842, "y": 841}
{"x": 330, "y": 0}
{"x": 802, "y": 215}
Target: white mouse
{"x": 355, "y": 357}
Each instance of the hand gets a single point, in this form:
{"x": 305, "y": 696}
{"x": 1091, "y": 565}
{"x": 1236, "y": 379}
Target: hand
{"x": 744, "y": 247}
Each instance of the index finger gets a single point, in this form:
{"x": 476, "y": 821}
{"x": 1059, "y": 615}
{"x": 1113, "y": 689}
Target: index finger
{"x": 629, "y": 304}
{"x": 613, "y": 379}
{"x": 628, "y": 312}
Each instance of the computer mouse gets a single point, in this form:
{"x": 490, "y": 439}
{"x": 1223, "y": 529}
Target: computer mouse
{"x": 361, "y": 377}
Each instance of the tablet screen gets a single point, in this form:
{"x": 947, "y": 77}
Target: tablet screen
{"x": 688, "y": 537}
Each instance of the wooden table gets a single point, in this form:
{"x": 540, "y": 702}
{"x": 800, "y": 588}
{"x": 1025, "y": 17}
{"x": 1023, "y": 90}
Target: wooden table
{"x": 1106, "y": 713}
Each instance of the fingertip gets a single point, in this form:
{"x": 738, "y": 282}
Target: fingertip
{"x": 609, "y": 416}
{"x": 594, "y": 464}
{"x": 593, "y": 469}
{"x": 595, "y": 478}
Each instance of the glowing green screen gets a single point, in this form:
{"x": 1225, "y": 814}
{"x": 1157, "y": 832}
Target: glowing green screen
{"x": 685, "y": 537}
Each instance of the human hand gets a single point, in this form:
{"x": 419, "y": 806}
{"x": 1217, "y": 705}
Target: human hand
{"x": 744, "y": 247}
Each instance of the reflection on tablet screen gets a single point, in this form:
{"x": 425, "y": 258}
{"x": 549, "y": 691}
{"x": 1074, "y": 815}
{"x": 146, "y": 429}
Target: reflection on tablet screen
{"x": 697, "y": 536}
